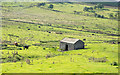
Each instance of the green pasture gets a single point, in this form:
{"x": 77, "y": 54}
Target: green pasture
{"x": 43, "y": 28}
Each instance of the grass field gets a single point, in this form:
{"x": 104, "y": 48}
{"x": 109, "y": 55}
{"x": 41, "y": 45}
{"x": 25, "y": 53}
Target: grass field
{"x": 42, "y": 28}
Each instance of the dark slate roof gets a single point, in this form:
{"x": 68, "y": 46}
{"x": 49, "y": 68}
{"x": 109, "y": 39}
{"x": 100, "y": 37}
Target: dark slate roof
{"x": 69, "y": 40}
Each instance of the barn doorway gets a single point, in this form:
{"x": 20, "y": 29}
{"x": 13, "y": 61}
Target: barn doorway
{"x": 66, "y": 48}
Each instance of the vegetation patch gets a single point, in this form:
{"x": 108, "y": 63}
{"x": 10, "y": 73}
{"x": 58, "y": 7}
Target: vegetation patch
{"x": 11, "y": 57}
{"x": 103, "y": 59}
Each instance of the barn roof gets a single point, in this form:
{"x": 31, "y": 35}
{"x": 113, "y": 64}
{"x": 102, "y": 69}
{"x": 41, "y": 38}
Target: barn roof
{"x": 69, "y": 40}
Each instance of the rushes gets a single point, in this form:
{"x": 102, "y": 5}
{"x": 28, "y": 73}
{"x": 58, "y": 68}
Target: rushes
{"x": 103, "y": 59}
{"x": 13, "y": 56}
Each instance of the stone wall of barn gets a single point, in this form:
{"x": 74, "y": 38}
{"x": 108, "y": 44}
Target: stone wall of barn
{"x": 63, "y": 46}
{"x": 79, "y": 45}
{"x": 70, "y": 46}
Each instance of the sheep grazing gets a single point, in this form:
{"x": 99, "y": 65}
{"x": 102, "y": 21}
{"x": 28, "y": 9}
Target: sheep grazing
{"x": 39, "y": 27}
{"x": 32, "y": 61}
{"x": 84, "y": 39}
{"x": 113, "y": 43}
{"x": 8, "y": 52}
{"x": 59, "y": 33}
{"x": 114, "y": 64}
{"x": 27, "y": 61}
{"x": 15, "y": 43}
{"x": 118, "y": 42}
{"x": 26, "y": 47}
{"x": 71, "y": 59}
{"x": 21, "y": 64}
{"x": 53, "y": 62}
{"x": 2, "y": 52}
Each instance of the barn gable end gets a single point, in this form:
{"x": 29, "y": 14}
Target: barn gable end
{"x": 79, "y": 45}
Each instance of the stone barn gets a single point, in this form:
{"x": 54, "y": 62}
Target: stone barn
{"x": 71, "y": 44}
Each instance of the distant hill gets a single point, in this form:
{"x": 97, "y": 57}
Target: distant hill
{"x": 114, "y": 4}
{"x": 83, "y": 0}
{"x": 104, "y": 2}
{"x": 60, "y": 0}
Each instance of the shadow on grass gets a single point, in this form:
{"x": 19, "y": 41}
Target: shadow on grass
{"x": 83, "y": 49}
{"x": 78, "y": 49}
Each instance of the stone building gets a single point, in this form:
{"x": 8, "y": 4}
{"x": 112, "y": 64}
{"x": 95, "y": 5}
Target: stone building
{"x": 71, "y": 44}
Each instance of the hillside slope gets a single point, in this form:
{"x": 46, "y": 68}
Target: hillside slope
{"x": 42, "y": 28}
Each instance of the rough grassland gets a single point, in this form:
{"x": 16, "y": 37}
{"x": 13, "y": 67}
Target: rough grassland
{"x": 43, "y": 28}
